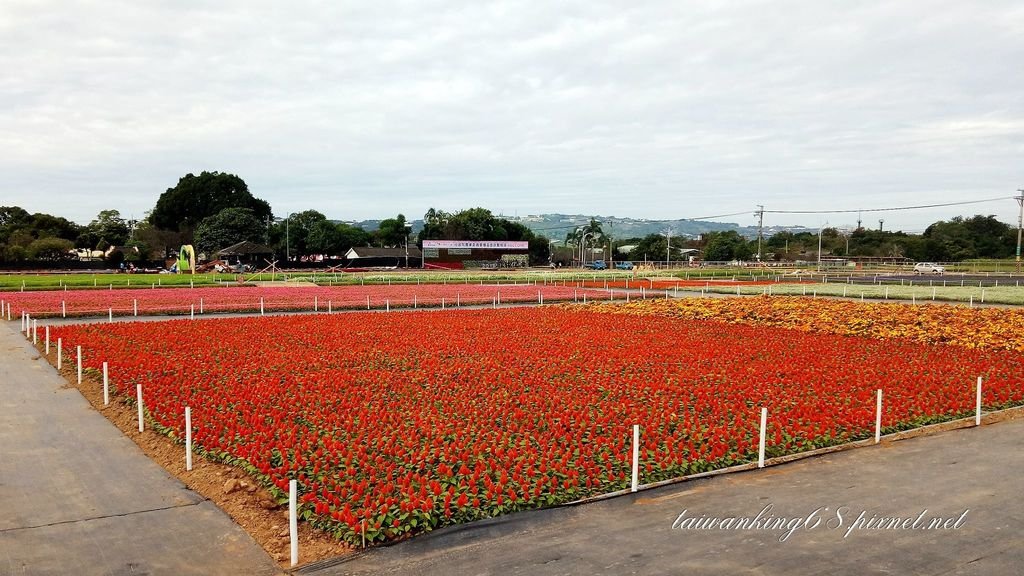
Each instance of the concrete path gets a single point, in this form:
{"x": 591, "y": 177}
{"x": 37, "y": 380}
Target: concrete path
{"x": 980, "y": 470}
{"x": 78, "y": 497}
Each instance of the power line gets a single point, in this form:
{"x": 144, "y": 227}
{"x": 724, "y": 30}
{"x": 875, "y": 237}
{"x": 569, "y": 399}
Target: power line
{"x": 889, "y": 209}
{"x": 720, "y": 215}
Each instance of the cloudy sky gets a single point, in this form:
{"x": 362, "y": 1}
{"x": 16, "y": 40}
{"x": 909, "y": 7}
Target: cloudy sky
{"x": 651, "y": 109}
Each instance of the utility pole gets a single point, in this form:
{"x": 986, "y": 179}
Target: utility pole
{"x": 880, "y": 222}
{"x": 1020, "y": 222}
{"x": 611, "y": 246}
{"x": 820, "y": 230}
{"x": 760, "y": 229}
{"x": 667, "y": 233}
{"x": 858, "y": 219}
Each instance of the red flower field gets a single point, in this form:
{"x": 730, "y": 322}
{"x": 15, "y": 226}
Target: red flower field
{"x": 412, "y": 421}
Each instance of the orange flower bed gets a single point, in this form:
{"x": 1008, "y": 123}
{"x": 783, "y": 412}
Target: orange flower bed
{"x": 980, "y": 328}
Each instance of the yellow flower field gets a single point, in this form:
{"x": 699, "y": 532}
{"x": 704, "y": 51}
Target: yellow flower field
{"x": 982, "y": 328}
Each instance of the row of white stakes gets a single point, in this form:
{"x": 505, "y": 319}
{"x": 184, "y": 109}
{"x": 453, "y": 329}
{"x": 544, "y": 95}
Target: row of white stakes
{"x": 635, "y": 483}
{"x": 292, "y": 520}
{"x": 495, "y": 301}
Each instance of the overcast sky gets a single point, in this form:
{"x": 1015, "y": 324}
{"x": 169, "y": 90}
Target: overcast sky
{"x": 651, "y": 109}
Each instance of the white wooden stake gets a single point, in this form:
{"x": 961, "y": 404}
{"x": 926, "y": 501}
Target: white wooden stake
{"x": 110, "y": 315}
{"x": 63, "y": 309}
{"x": 636, "y": 458}
{"x": 329, "y": 307}
{"x": 760, "y": 444}
{"x": 316, "y": 303}
{"x": 367, "y": 302}
{"x": 261, "y": 305}
{"x": 442, "y": 303}
{"x": 35, "y": 331}
{"x": 200, "y": 305}
{"x": 387, "y": 303}
{"x": 47, "y": 340}
{"x": 60, "y": 359}
{"x": 138, "y": 401}
{"x": 878, "y": 417}
{"x": 106, "y": 386}
{"x": 188, "y": 439}
{"x": 977, "y": 414}
{"x": 293, "y": 520}
{"x": 79, "y": 348}
{"x": 135, "y": 307}
{"x": 192, "y": 312}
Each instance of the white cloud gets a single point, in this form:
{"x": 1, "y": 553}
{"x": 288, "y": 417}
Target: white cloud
{"x": 648, "y": 109}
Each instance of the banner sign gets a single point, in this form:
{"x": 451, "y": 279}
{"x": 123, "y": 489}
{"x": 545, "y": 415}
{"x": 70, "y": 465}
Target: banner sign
{"x": 477, "y": 244}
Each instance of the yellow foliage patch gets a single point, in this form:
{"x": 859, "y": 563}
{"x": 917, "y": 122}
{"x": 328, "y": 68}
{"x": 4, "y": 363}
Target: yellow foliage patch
{"x": 981, "y": 328}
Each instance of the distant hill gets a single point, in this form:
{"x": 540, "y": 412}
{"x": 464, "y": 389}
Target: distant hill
{"x": 556, "y": 226}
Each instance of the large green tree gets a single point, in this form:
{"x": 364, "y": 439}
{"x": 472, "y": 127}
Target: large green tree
{"x": 290, "y": 236}
{"x": 50, "y": 249}
{"x": 726, "y": 246}
{"x": 392, "y": 232}
{"x": 227, "y": 227}
{"x": 196, "y": 198}
{"x": 108, "y": 228}
{"x": 651, "y": 247}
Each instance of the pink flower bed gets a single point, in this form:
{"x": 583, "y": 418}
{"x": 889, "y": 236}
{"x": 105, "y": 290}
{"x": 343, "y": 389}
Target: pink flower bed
{"x": 56, "y": 303}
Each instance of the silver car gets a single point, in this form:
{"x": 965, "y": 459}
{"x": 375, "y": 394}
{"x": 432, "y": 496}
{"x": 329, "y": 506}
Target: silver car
{"x": 928, "y": 268}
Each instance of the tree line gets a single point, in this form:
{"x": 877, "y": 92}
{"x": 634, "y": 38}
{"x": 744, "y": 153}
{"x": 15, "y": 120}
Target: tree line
{"x": 954, "y": 240}
{"x": 215, "y": 210}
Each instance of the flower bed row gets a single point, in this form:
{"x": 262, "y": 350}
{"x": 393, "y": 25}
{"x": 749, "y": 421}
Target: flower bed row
{"x": 989, "y": 328}
{"x": 124, "y": 302}
{"x": 400, "y": 423}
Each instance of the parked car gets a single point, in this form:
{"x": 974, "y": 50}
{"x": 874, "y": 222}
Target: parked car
{"x": 928, "y": 268}
{"x": 596, "y": 265}
{"x": 626, "y": 265}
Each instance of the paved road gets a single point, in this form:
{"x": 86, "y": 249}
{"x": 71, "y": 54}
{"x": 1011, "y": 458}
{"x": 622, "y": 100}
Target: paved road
{"x": 78, "y": 497}
{"x": 980, "y": 470}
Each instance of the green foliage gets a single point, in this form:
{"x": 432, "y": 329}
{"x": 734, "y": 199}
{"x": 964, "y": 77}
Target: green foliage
{"x": 196, "y": 198}
{"x": 109, "y": 227}
{"x": 726, "y": 246}
{"x": 481, "y": 224}
{"x": 227, "y": 227}
{"x": 350, "y": 236}
{"x": 650, "y": 247}
{"x": 392, "y": 232}
{"x": 50, "y": 249}
{"x": 291, "y": 236}
{"x": 15, "y": 253}
{"x": 963, "y": 239}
